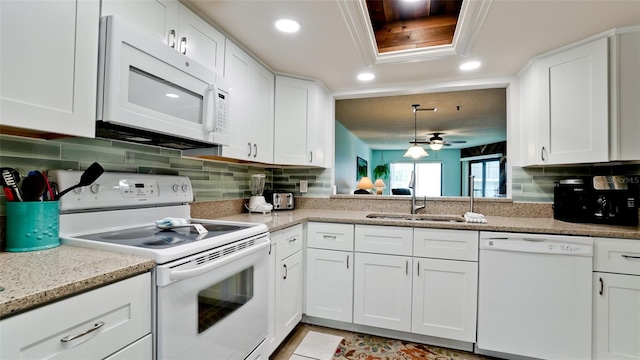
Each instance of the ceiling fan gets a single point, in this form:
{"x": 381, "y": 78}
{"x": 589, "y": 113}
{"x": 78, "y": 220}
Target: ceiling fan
{"x": 436, "y": 142}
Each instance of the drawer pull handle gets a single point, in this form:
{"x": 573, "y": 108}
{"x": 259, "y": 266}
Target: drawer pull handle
{"x": 348, "y": 261}
{"x": 601, "y": 286}
{"x": 418, "y": 268}
{"x": 292, "y": 240}
{"x": 406, "y": 267}
{"x": 630, "y": 257}
{"x": 285, "y": 272}
{"x": 95, "y": 327}
{"x": 329, "y": 236}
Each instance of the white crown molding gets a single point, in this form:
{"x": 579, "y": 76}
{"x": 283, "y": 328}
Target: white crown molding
{"x": 472, "y": 15}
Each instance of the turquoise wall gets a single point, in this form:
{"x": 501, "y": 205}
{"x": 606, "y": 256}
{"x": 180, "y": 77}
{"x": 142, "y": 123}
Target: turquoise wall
{"x": 348, "y": 147}
{"x": 450, "y": 160}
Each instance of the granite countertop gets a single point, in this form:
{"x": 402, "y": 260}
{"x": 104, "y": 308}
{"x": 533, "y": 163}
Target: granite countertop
{"x": 278, "y": 220}
{"x": 35, "y": 278}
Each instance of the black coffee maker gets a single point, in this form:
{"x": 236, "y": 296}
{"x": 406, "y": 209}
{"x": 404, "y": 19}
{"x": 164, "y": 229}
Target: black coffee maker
{"x": 612, "y": 200}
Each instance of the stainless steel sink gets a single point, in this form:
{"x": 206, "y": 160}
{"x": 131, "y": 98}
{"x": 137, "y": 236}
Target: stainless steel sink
{"x": 417, "y": 217}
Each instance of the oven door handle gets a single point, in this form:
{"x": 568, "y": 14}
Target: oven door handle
{"x": 185, "y": 274}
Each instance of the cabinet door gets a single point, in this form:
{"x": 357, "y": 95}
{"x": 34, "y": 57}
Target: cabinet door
{"x": 295, "y": 104}
{"x": 382, "y": 291}
{"x": 288, "y": 295}
{"x": 616, "y": 325}
{"x": 329, "y": 284}
{"x": 236, "y": 71}
{"x": 625, "y": 92}
{"x": 445, "y": 296}
{"x": 48, "y": 65}
{"x": 574, "y": 116}
{"x": 158, "y": 18}
{"x": 273, "y": 280}
{"x": 261, "y": 98}
{"x": 200, "y": 41}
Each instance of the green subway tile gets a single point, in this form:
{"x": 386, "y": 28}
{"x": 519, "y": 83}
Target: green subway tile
{"x": 32, "y": 148}
{"x": 186, "y": 163}
{"x": 157, "y": 170}
{"x": 195, "y": 175}
{"x": 90, "y": 153}
{"x": 566, "y": 171}
{"x": 142, "y": 159}
{"x": 28, "y": 164}
{"x": 149, "y": 149}
{"x": 214, "y": 166}
{"x": 102, "y": 143}
{"x": 171, "y": 152}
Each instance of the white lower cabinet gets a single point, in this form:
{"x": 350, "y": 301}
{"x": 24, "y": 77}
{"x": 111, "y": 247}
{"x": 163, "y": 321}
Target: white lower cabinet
{"x": 330, "y": 284}
{"x": 382, "y": 291}
{"x": 445, "y": 299}
{"x": 616, "y": 299}
{"x": 330, "y": 262}
{"x": 286, "y": 276}
{"x": 112, "y": 322}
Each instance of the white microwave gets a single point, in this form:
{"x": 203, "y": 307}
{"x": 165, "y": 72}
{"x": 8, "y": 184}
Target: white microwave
{"x": 150, "y": 93}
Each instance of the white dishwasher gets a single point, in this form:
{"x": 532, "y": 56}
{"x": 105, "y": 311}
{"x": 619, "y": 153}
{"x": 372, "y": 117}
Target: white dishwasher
{"x": 534, "y": 296}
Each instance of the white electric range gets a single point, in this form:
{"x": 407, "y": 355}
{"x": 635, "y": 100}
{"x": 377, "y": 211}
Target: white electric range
{"x": 210, "y": 294}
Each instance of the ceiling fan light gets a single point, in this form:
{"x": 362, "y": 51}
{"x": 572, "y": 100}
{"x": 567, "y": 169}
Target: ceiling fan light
{"x": 415, "y": 151}
{"x": 436, "y": 145}
{"x": 288, "y": 25}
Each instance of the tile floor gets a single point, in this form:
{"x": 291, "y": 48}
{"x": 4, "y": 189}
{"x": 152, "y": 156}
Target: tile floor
{"x": 289, "y": 346}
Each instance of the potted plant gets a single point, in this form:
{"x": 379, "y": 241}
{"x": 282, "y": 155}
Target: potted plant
{"x": 381, "y": 171}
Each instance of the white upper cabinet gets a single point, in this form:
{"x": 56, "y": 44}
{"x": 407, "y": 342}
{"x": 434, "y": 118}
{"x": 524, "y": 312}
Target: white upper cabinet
{"x": 625, "y": 95}
{"x": 580, "y": 104}
{"x": 251, "y": 107}
{"x": 175, "y": 25}
{"x": 48, "y": 66}
{"x": 571, "y": 106}
{"x": 302, "y": 117}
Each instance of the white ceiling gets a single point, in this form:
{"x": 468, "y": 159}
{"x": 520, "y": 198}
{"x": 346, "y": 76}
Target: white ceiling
{"x": 512, "y": 32}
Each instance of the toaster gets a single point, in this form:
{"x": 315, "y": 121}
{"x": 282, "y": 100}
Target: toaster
{"x": 282, "y": 201}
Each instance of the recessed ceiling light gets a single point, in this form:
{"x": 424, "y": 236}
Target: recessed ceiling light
{"x": 288, "y": 25}
{"x": 173, "y": 96}
{"x": 470, "y": 65}
{"x": 366, "y": 77}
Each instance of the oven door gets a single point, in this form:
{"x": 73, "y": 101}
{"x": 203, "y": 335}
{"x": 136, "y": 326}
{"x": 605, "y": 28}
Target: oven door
{"x": 213, "y": 305}
{"x": 146, "y": 85}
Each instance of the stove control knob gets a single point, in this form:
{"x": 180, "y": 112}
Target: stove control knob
{"x": 175, "y": 187}
{"x": 185, "y": 187}
{"x": 95, "y": 188}
{"x": 78, "y": 190}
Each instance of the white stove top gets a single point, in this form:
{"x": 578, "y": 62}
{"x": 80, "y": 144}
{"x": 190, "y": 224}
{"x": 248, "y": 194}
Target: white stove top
{"x": 118, "y": 213}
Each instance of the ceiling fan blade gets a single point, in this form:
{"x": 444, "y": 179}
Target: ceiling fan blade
{"x": 455, "y": 142}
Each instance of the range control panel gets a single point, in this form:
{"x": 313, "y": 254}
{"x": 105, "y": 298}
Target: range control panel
{"x": 121, "y": 190}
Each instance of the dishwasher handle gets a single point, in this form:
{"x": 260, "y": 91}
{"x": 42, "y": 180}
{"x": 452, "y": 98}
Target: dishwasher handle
{"x": 537, "y": 246}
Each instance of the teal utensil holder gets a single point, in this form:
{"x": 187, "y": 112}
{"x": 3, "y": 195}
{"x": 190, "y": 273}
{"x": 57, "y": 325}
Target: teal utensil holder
{"x": 32, "y": 225}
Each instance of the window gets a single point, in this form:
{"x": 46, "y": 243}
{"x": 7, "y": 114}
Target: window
{"x": 428, "y": 177}
{"x": 487, "y": 177}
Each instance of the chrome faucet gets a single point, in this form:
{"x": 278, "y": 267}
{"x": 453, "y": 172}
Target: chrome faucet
{"x": 412, "y": 185}
{"x": 471, "y": 180}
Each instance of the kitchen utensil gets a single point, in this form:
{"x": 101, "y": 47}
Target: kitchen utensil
{"x": 33, "y": 186}
{"x": 50, "y": 193}
{"x": 10, "y": 179}
{"x": 257, "y": 202}
{"x": 90, "y": 175}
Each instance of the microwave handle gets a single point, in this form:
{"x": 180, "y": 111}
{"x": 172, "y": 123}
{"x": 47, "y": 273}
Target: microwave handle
{"x": 210, "y": 107}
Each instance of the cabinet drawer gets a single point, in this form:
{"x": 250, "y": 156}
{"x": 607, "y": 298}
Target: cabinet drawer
{"x": 330, "y": 236}
{"x": 388, "y": 240}
{"x": 446, "y": 244}
{"x": 617, "y": 256}
{"x": 120, "y": 313}
{"x": 288, "y": 241}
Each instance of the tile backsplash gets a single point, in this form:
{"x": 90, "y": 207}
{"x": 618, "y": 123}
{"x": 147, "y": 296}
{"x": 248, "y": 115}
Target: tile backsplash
{"x": 536, "y": 184}
{"x": 212, "y": 180}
